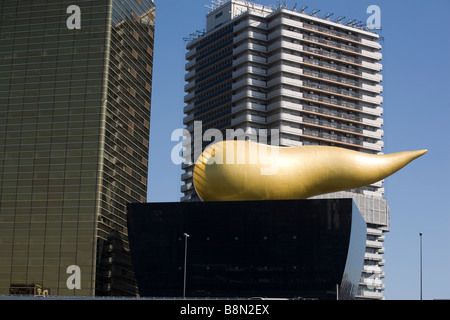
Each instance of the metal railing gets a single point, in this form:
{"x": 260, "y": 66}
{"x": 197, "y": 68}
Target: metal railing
{"x": 332, "y": 137}
{"x": 332, "y": 44}
{"x": 331, "y": 89}
{"x": 332, "y": 78}
{"x": 332, "y": 66}
{"x": 332, "y": 125}
{"x": 332, "y": 101}
{"x": 328, "y": 112}
{"x": 331, "y": 32}
{"x": 332, "y": 55}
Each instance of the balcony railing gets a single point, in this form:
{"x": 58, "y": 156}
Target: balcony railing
{"x": 333, "y": 125}
{"x": 332, "y": 66}
{"x": 332, "y": 44}
{"x": 332, "y": 137}
{"x": 331, "y": 89}
{"x": 332, "y": 55}
{"x": 332, "y": 78}
{"x": 332, "y": 101}
{"x": 331, "y": 32}
{"x": 332, "y": 113}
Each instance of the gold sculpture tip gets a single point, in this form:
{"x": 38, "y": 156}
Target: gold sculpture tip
{"x": 244, "y": 170}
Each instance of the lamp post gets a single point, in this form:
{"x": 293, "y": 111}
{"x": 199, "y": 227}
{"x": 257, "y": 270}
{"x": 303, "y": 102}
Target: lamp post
{"x": 186, "y": 236}
{"x": 420, "y": 235}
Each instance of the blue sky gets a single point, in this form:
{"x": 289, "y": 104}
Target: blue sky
{"x": 416, "y": 70}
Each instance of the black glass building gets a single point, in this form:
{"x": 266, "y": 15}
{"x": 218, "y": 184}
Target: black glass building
{"x": 275, "y": 249}
{"x": 74, "y": 139}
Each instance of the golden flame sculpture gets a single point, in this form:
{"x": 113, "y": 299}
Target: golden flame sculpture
{"x": 239, "y": 170}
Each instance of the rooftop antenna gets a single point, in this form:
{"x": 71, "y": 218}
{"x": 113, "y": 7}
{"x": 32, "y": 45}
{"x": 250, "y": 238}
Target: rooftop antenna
{"x": 315, "y": 11}
{"x": 302, "y": 10}
{"x": 349, "y": 22}
{"x": 250, "y": 4}
{"x": 339, "y": 19}
{"x": 328, "y": 15}
{"x": 361, "y": 24}
{"x": 295, "y": 7}
{"x": 215, "y": 4}
{"x": 194, "y": 35}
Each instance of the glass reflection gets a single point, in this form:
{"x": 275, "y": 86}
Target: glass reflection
{"x": 295, "y": 248}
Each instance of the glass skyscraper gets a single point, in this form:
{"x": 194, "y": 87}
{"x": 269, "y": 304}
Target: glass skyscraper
{"x": 74, "y": 139}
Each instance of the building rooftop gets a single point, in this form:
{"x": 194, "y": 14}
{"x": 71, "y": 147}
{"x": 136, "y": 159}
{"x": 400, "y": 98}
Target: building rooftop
{"x": 239, "y": 7}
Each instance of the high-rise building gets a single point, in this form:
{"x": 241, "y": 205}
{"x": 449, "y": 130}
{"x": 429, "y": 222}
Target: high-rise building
{"x": 75, "y": 92}
{"x": 315, "y": 80}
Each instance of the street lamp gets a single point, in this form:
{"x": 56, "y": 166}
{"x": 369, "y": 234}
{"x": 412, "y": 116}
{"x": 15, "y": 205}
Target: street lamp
{"x": 420, "y": 234}
{"x": 186, "y": 236}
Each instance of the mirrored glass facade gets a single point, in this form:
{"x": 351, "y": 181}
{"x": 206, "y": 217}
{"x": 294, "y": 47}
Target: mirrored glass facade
{"x": 274, "y": 249}
{"x": 74, "y": 134}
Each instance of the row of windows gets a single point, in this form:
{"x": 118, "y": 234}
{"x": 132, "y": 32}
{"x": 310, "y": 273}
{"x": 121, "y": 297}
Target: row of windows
{"x": 76, "y": 78}
{"x": 214, "y": 102}
{"x": 49, "y": 111}
{"x": 64, "y": 226}
{"x": 13, "y": 26}
{"x": 11, "y": 6}
{"x": 135, "y": 145}
{"x": 46, "y": 165}
{"x": 36, "y": 267}
{"x": 71, "y": 181}
{"x": 16, "y": 136}
{"x": 41, "y": 198}
{"x": 69, "y": 191}
{"x": 117, "y": 184}
{"x": 30, "y": 184}
{"x": 215, "y": 113}
{"x": 42, "y": 123}
{"x": 36, "y": 236}
{"x": 46, "y": 138}
{"x": 218, "y": 124}
{"x": 210, "y": 58}
{"x": 212, "y": 70}
{"x": 71, "y": 211}
{"x": 209, "y": 42}
{"x": 121, "y": 160}
{"x": 31, "y": 18}
{"x": 213, "y": 91}
{"x": 44, "y": 146}
{"x": 28, "y": 267}
{"x": 35, "y": 120}
{"x": 48, "y": 47}
{"x": 36, "y": 66}
{"x": 84, "y": 212}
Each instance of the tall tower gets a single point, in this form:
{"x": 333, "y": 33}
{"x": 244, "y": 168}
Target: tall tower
{"x": 315, "y": 80}
{"x": 74, "y": 141}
